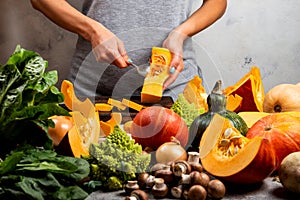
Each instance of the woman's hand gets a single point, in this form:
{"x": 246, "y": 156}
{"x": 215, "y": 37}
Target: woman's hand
{"x": 107, "y": 47}
{"x": 174, "y": 43}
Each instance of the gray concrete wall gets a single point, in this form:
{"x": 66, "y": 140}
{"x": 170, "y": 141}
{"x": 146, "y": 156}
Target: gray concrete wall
{"x": 265, "y": 33}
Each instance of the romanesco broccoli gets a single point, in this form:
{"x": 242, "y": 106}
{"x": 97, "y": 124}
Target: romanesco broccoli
{"x": 116, "y": 160}
{"x": 186, "y": 110}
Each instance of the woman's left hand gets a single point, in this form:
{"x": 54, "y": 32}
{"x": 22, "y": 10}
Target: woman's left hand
{"x": 174, "y": 43}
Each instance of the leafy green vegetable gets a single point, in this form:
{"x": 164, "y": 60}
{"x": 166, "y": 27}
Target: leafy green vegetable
{"x": 42, "y": 174}
{"x": 117, "y": 160}
{"x": 186, "y": 110}
{"x": 28, "y": 97}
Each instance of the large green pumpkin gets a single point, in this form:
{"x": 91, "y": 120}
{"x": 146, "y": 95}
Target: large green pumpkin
{"x": 216, "y": 101}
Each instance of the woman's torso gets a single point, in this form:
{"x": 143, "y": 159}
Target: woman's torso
{"x": 140, "y": 25}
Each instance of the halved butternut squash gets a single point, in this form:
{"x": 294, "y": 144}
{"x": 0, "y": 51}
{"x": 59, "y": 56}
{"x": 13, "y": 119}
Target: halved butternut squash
{"x": 227, "y": 154}
{"x": 152, "y": 89}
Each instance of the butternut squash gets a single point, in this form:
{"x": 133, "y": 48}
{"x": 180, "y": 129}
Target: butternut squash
{"x": 282, "y": 98}
{"x": 152, "y": 89}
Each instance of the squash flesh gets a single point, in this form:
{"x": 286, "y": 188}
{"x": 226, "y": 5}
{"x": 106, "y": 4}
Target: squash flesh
{"x": 152, "y": 89}
{"x": 194, "y": 92}
{"x": 252, "y": 161}
{"x": 245, "y": 156}
{"x": 251, "y": 89}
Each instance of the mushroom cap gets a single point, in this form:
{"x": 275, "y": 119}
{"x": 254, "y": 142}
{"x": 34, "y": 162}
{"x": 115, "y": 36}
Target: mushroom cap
{"x": 216, "y": 189}
{"x": 197, "y": 192}
{"x": 139, "y": 194}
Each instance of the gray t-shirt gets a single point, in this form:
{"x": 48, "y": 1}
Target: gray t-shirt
{"x": 141, "y": 25}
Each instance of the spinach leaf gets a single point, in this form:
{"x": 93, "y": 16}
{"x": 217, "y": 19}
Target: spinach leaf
{"x": 28, "y": 97}
{"x": 33, "y": 173}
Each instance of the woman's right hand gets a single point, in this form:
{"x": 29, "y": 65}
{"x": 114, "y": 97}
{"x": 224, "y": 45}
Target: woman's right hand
{"x": 107, "y": 47}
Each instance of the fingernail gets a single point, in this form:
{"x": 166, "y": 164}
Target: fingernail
{"x": 172, "y": 70}
{"x": 129, "y": 60}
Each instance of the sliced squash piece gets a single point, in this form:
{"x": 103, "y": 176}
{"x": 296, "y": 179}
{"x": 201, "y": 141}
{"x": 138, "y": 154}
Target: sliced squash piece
{"x": 194, "y": 92}
{"x": 152, "y": 89}
{"x": 86, "y": 127}
{"x": 251, "y": 89}
{"x": 132, "y": 104}
{"x": 252, "y": 117}
{"x": 116, "y": 119}
{"x": 116, "y": 103}
{"x": 107, "y": 127}
{"x": 234, "y": 102}
{"x": 222, "y": 124}
{"x": 67, "y": 88}
{"x": 103, "y": 107}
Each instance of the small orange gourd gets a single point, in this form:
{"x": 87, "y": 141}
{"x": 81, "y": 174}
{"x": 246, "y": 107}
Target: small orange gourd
{"x": 282, "y": 98}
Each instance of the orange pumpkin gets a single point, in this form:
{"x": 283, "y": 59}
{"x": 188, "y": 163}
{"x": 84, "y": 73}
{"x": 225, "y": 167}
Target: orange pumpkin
{"x": 227, "y": 154}
{"x": 251, "y": 89}
{"x": 282, "y": 130}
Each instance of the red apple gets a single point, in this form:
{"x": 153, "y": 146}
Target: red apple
{"x": 156, "y": 125}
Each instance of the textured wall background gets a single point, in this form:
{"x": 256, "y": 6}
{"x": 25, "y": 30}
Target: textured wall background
{"x": 265, "y": 33}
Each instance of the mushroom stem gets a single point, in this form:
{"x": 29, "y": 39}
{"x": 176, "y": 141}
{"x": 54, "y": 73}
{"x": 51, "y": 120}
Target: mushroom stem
{"x": 194, "y": 157}
{"x": 177, "y": 191}
{"x": 180, "y": 167}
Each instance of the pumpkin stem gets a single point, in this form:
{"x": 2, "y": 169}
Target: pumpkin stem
{"x": 277, "y": 108}
{"x": 216, "y": 100}
{"x": 217, "y": 88}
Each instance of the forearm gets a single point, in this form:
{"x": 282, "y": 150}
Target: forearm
{"x": 209, "y": 12}
{"x": 65, "y": 16}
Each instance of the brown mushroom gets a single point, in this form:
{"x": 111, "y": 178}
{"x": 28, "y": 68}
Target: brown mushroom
{"x": 158, "y": 166}
{"x": 194, "y": 178}
{"x": 180, "y": 167}
{"x": 137, "y": 195}
{"x": 205, "y": 179}
{"x": 216, "y": 189}
{"x": 130, "y": 186}
{"x": 160, "y": 189}
{"x": 177, "y": 191}
{"x": 194, "y": 161}
{"x": 197, "y": 192}
{"x": 165, "y": 174}
{"x": 145, "y": 180}
{"x": 185, "y": 193}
